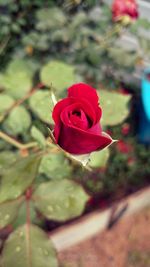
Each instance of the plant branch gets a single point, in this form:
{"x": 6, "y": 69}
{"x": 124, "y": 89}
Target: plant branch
{"x": 4, "y": 44}
{"x": 20, "y": 101}
{"x": 28, "y": 222}
{"x": 103, "y": 42}
{"x": 28, "y": 211}
{"x": 15, "y": 143}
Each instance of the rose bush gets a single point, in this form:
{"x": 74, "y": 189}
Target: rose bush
{"x": 77, "y": 121}
{"x": 122, "y": 8}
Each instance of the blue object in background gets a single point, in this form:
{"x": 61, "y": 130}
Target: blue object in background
{"x": 146, "y": 92}
{"x": 144, "y": 111}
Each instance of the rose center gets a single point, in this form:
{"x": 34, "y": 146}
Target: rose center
{"x": 79, "y": 119}
{"x": 77, "y": 113}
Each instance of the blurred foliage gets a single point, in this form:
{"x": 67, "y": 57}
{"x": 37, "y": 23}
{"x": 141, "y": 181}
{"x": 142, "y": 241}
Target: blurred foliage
{"x": 41, "y": 104}
{"x": 31, "y": 28}
{"x": 20, "y": 86}
{"x": 116, "y": 104}
{"x": 65, "y": 203}
{"x": 9, "y": 211}
{"x": 43, "y": 253}
{"x": 18, "y": 178}
{"x": 51, "y": 72}
{"x": 99, "y": 159}
{"x": 17, "y": 122}
{"x": 53, "y": 164}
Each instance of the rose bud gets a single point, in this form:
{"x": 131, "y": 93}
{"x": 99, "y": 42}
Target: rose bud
{"x": 124, "y": 10}
{"x": 125, "y": 129}
{"x": 77, "y": 121}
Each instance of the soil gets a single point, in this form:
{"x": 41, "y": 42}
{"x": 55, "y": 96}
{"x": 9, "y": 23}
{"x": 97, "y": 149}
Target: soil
{"x": 126, "y": 244}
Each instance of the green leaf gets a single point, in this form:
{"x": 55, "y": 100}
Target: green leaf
{"x": 41, "y": 104}
{"x": 60, "y": 35}
{"x": 17, "y": 80}
{"x": 18, "y": 121}
{"x": 18, "y": 178}
{"x": 38, "y": 136}
{"x": 145, "y": 46}
{"x": 21, "y": 217}
{"x": 93, "y": 54}
{"x": 4, "y": 145}
{"x": 99, "y": 159}
{"x": 7, "y": 158}
{"x": 78, "y": 20}
{"x": 114, "y": 106}
{"x": 8, "y": 211}
{"x": 55, "y": 166}
{"x": 6, "y": 102}
{"x": 29, "y": 246}
{"x": 139, "y": 25}
{"x": 58, "y": 74}
{"x": 50, "y": 18}
{"x": 60, "y": 200}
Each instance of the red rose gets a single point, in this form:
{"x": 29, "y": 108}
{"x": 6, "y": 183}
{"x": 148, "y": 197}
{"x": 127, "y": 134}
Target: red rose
{"x": 122, "y": 8}
{"x": 124, "y": 148}
{"x": 77, "y": 128}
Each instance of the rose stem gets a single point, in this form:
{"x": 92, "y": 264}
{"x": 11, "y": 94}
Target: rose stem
{"x": 15, "y": 143}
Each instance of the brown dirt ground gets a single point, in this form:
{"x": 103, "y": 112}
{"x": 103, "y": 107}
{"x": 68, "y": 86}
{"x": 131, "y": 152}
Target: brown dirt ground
{"x": 126, "y": 244}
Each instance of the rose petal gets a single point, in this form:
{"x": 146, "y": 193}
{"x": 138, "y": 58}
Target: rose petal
{"x": 77, "y": 141}
{"x": 59, "y": 107}
{"x": 82, "y": 90}
{"x": 95, "y": 129}
{"x": 80, "y": 121}
{"x": 77, "y": 106}
{"x": 56, "y": 115}
{"x": 77, "y": 121}
{"x": 66, "y": 105}
{"x": 123, "y": 8}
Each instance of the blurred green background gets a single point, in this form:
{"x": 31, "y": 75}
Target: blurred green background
{"x": 44, "y": 43}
